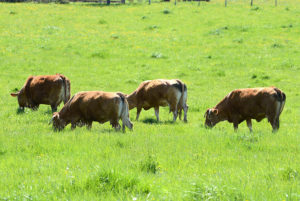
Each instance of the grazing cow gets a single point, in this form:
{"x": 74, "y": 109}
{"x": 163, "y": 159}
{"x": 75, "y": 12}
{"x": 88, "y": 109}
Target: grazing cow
{"x": 85, "y": 107}
{"x": 155, "y": 93}
{"x": 247, "y": 104}
{"x": 44, "y": 89}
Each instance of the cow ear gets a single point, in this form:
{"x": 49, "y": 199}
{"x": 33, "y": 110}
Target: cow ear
{"x": 15, "y": 94}
{"x": 215, "y": 111}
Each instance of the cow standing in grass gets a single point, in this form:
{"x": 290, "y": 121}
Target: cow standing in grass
{"x": 247, "y": 104}
{"x": 85, "y": 107}
{"x": 44, "y": 89}
{"x": 155, "y": 93}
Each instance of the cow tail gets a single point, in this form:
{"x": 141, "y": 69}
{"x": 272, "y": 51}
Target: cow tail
{"x": 280, "y": 97}
{"x": 124, "y": 110}
{"x": 27, "y": 89}
{"x": 67, "y": 88}
{"x": 181, "y": 101}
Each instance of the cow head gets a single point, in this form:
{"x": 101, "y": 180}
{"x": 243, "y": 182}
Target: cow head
{"x": 212, "y": 118}
{"x": 57, "y": 122}
{"x": 132, "y": 100}
{"x": 22, "y": 98}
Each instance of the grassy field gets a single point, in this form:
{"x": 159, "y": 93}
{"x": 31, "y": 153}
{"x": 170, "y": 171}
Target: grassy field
{"x": 211, "y": 48}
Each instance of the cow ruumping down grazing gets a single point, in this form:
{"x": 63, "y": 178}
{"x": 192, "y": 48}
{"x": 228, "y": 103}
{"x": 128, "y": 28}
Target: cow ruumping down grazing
{"x": 85, "y": 107}
{"x": 44, "y": 89}
{"x": 155, "y": 93}
{"x": 247, "y": 104}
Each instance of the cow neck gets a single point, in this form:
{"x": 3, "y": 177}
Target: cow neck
{"x": 63, "y": 111}
{"x": 222, "y": 109}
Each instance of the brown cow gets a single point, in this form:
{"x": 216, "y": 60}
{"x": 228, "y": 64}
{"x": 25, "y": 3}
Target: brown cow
{"x": 247, "y": 104}
{"x": 44, "y": 89}
{"x": 155, "y": 93}
{"x": 85, "y": 107}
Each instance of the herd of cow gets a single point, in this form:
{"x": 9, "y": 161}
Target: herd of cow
{"x": 88, "y": 106}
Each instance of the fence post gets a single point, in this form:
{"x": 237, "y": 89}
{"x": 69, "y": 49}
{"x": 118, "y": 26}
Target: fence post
{"x": 149, "y": 2}
{"x": 225, "y": 3}
{"x": 175, "y": 2}
{"x": 275, "y": 2}
{"x": 251, "y": 3}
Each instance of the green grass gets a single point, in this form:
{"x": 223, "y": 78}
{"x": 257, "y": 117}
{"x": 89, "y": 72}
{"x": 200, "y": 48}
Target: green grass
{"x": 211, "y": 48}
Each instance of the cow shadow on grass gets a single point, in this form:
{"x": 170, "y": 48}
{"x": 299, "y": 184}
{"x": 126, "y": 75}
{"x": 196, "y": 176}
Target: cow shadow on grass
{"x": 20, "y": 111}
{"x": 154, "y": 121}
{"x": 103, "y": 4}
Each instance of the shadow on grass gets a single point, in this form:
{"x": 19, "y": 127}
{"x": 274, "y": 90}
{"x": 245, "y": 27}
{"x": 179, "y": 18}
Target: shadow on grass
{"x": 102, "y": 4}
{"x": 20, "y": 111}
{"x": 154, "y": 121}
{"x": 96, "y": 130}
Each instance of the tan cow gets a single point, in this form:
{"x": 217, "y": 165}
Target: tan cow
{"x": 44, "y": 89}
{"x": 247, "y": 104}
{"x": 85, "y": 107}
{"x": 155, "y": 93}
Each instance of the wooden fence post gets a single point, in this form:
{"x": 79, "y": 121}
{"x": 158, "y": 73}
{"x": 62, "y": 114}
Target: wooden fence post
{"x": 175, "y": 3}
{"x": 225, "y": 3}
{"x": 251, "y": 3}
{"x": 275, "y": 2}
{"x": 149, "y": 2}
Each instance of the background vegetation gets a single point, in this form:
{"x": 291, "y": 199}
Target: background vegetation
{"x": 211, "y": 48}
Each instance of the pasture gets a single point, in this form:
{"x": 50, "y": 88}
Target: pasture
{"x": 211, "y": 48}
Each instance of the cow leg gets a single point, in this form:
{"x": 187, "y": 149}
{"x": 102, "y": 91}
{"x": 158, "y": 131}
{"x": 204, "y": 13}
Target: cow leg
{"x": 73, "y": 125}
{"x": 249, "y": 124}
{"x": 115, "y": 124}
{"x": 156, "y": 108}
{"x": 277, "y": 122}
{"x": 138, "y": 111}
{"x": 173, "y": 108}
{"x": 235, "y": 126}
{"x": 179, "y": 113}
{"x": 89, "y": 125}
{"x": 273, "y": 122}
{"x": 35, "y": 107}
{"x": 117, "y": 127}
{"x": 185, "y": 109}
{"x": 54, "y": 108}
{"x": 175, "y": 114}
